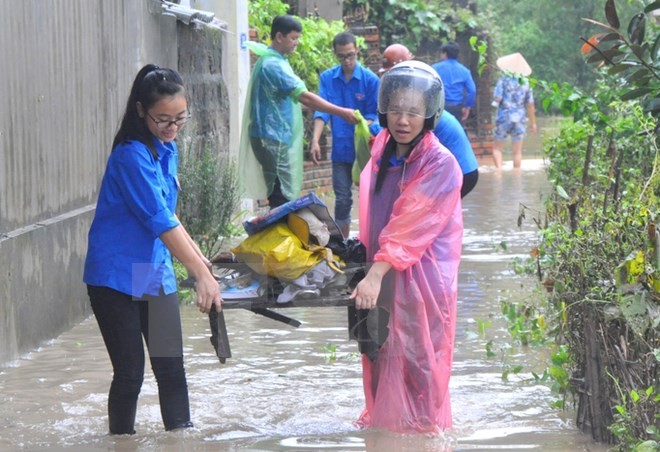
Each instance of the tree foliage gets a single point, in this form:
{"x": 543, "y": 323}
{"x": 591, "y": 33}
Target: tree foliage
{"x": 600, "y": 247}
{"x": 314, "y": 53}
{"x": 415, "y": 23}
{"x": 547, "y": 33}
{"x": 631, "y": 56}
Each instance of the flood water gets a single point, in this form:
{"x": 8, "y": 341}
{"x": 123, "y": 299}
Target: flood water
{"x": 282, "y": 392}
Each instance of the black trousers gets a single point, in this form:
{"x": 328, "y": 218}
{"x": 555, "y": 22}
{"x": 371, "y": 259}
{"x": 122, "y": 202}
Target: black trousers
{"x": 456, "y": 110}
{"x": 277, "y": 198}
{"x": 469, "y": 182}
{"x": 268, "y": 154}
{"x": 124, "y": 322}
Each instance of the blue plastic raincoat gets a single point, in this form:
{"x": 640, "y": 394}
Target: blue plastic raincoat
{"x": 273, "y": 117}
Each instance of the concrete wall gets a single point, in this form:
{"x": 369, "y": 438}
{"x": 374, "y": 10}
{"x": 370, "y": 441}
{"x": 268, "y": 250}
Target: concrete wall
{"x": 67, "y": 70}
{"x": 235, "y": 66}
{"x": 327, "y": 9}
{"x": 200, "y": 63}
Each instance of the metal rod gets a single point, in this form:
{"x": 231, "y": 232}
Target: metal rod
{"x": 252, "y": 303}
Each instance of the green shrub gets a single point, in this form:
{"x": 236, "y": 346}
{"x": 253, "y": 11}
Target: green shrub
{"x": 314, "y": 53}
{"x": 209, "y": 198}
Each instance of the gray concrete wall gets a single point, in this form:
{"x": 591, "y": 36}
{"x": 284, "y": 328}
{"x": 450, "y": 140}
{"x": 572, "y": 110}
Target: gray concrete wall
{"x": 327, "y": 9}
{"x": 67, "y": 67}
{"x": 200, "y": 65}
{"x": 235, "y": 62}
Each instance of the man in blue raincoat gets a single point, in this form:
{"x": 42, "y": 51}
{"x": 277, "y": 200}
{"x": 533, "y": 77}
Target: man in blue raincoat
{"x": 272, "y": 134}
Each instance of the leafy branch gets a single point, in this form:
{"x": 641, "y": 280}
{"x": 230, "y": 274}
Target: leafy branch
{"x": 632, "y": 55}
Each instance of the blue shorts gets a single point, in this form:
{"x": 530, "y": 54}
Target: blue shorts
{"x": 503, "y": 128}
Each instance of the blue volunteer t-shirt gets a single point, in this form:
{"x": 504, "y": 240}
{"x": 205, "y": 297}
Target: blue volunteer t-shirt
{"x": 451, "y": 135}
{"x": 358, "y": 93}
{"x": 457, "y": 81}
{"x": 136, "y": 204}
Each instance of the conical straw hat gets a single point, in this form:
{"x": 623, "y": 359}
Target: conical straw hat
{"x": 514, "y": 63}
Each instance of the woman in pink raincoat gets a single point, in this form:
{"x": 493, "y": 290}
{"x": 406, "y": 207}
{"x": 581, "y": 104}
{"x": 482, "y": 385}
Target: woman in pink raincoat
{"x": 412, "y": 226}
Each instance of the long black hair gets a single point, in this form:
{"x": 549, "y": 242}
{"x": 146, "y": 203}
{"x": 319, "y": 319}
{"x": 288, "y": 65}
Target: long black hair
{"x": 390, "y": 149}
{"x": 151, "y": 85}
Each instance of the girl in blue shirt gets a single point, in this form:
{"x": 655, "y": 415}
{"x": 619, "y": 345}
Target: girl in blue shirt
{"x": 128, "y": 271}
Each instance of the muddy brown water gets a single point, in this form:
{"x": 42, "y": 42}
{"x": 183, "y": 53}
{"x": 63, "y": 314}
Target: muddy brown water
{"x": 281, "y": 391}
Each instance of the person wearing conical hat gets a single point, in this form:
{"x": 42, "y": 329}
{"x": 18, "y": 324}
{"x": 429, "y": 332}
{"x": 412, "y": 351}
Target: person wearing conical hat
{"x": 514, "y": 100}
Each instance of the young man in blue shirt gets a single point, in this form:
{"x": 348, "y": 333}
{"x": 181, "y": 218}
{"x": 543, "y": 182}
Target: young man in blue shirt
{"x": 350, "y": 85}
{"x": 460, "y": 90}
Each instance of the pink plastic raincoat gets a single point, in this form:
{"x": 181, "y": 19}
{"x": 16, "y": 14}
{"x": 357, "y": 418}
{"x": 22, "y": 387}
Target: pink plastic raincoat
{"x": 406, "y": 387}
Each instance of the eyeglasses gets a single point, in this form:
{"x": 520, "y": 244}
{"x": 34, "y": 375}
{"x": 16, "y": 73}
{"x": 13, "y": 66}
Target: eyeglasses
{"x": 405, "y": 114}
{"x": 165, "y": 124}
{"x": 345, "y": 56}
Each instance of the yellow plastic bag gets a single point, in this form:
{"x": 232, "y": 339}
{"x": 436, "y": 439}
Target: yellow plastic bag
{"x": 277, "y": 252}
{"x": 362, "y": 149}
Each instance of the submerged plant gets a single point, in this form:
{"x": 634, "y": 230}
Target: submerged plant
{"x": 625, "y": 426}
{"x": 330, "y": 351}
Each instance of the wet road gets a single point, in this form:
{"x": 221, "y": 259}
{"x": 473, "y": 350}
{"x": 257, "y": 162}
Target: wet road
{"x": 282, "y": 392}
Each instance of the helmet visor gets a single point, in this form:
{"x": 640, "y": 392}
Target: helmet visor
{"x": 410, "y": 90}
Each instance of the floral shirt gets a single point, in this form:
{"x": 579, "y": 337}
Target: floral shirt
{"x": 515, "y": 93}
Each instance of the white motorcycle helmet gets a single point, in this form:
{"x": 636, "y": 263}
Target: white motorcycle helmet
{"x": 419, "y": 77}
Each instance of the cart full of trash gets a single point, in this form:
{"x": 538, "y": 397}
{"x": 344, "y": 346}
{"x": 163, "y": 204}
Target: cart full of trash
{"x": 293, "y": 256}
